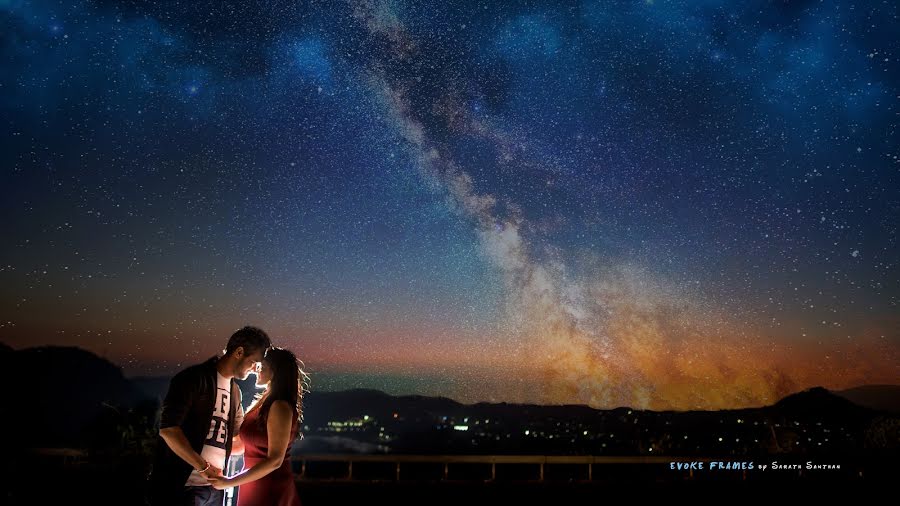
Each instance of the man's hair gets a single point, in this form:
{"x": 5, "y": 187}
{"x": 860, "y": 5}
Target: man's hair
{"x": 250, "y": 338}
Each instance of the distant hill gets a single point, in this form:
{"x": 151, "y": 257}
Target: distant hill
{"x": 60, "y": 392}
{"x": 879, "y": 397}
{"x": 323, "y": 406}
{"x": 64, "y": 394}
{"x": 818, "y": 402}
{"x": 338, "y": 405}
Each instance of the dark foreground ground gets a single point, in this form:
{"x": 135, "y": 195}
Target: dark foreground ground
{"x": 31, "y": 483}
{"x": 410, "y": 493}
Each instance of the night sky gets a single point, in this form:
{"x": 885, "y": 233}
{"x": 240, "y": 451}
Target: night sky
{"x": 659, "y": 204}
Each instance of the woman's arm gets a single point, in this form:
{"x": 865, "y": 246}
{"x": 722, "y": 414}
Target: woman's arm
{"x": 278, "y": 428}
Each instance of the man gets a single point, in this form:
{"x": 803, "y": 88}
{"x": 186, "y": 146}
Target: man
{"x": 201, "y": 414}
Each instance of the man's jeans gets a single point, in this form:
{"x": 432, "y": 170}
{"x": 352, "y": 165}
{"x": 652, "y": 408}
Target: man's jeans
{"x": 203, "y": 496}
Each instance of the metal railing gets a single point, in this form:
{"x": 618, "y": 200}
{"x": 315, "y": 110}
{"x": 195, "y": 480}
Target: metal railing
{"x": 403, "y": 466}
{"x": 542, "y": 461}
{"x": 69, "y": 458}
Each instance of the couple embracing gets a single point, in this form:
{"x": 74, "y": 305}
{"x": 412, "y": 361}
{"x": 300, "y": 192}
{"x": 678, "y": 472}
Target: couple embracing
{"x": 203, "y": 424}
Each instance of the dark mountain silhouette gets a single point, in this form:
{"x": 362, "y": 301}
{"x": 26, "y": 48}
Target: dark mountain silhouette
{"x": 62, "y": 393}
{"x": 5, "y": 349}
{"x": 817, "y": 402}
{"x": 67, "y": 393}
{"x": 348, "y": 403}
{"x": 801, "y": 422}
{"x": 323, "y": 406}
{"x": 880, "y": 397}
{"x": 812, "y": 403}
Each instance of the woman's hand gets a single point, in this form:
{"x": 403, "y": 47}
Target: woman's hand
{"x": 220, "y": 482}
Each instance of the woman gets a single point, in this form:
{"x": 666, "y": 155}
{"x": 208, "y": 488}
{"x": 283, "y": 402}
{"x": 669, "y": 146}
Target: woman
{"x": 270, "y": 426}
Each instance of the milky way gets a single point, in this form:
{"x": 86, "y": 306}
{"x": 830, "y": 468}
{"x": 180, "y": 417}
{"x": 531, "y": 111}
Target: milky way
{"x": 666, "y": 205}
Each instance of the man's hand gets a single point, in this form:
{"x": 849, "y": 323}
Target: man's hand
{"x": 212, "y": 473}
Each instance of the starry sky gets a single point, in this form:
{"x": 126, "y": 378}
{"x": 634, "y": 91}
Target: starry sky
{"x": 659, "y": 204}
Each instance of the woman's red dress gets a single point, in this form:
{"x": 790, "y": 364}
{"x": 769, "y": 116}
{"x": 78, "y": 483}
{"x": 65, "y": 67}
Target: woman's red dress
{"x": 276, "y": 488}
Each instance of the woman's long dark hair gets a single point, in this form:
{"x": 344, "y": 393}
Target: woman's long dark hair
{"x": 289, "y": 383}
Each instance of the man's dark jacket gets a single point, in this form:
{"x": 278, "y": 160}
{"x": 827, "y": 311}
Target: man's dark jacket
{"x": 188, "y": 404}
